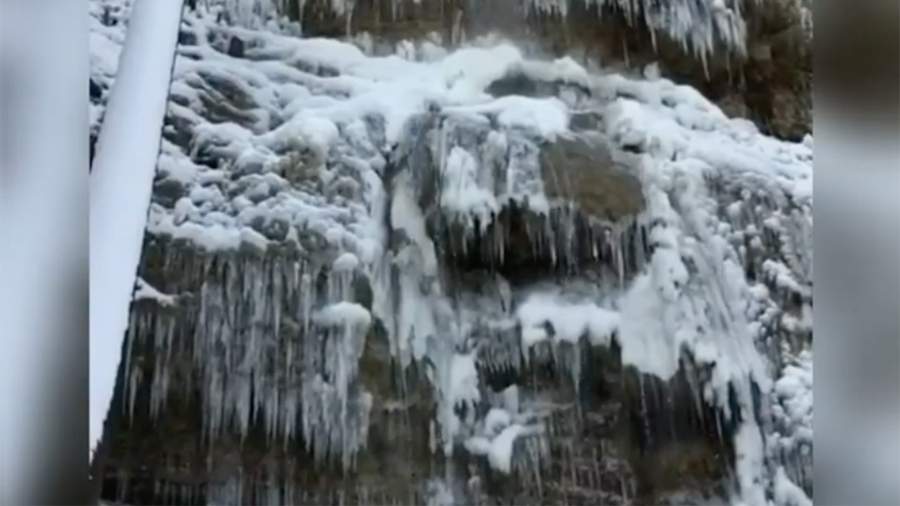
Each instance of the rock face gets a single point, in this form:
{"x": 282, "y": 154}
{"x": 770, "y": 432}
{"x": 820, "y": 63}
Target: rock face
{"x": 581, "y": 170}
{"x": 381, "y": 281}
{"x": 760, "y": 70}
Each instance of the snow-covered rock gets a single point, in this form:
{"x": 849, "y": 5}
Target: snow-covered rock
{"x": 319, "y": 210}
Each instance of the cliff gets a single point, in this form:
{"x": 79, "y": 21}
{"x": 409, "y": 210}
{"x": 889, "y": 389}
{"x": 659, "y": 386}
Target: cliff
{"x": 467, "y": 275}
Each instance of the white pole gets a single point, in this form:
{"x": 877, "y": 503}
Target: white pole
{"x": 120, "y": 185}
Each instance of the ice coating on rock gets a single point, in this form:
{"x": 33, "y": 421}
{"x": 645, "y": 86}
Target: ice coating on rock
{"x": 700, "y": 27}
{"x": 696, "y": 24}
{"x": 309, "y": 198}
{"x": 543, "y": 316}
{"x": 144, "y": 291}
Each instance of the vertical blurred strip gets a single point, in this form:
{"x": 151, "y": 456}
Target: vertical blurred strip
{"x": 120, "y": 186}
{"x": 43, "y": 251}
{"x": 857, "y": 253}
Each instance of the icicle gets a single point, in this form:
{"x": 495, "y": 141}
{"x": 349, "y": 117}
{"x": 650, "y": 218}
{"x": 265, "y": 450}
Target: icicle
{"x": 134, "y": 329}
{"x": 134, "y": 381}
{"x": 457, "y": 33}
{"x": 618, "y": 251}
{"x": 705, "y": 65}
{"x": 645, "y": 418}
{"x": 348, "y": 30}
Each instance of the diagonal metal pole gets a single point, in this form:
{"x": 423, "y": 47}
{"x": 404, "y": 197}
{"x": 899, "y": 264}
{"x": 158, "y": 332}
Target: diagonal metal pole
{"x": 120, "y": 185}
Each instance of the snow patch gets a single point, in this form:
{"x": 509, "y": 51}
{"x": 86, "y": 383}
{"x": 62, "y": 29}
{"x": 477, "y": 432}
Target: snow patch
{"x": 145, "y": 291}
{"x": 542, "y": 314}
{"x": 344, "y": 313}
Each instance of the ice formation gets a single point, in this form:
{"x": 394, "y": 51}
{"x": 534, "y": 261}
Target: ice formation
{"x": 121, "y": 174}
{"x": 310, "y": 198}
{"x": 544, "y": 317}
{"x": 699, "y": 26}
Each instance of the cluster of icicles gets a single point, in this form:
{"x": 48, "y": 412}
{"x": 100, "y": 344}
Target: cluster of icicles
{"x": 274, "y": 340}
{"x": 268, "y": 346}
{"x": 699, "y": 26}
{"x": 277, "y": 340}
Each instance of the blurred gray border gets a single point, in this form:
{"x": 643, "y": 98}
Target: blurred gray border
{"x": 43, "y": 252}
{"x": 857, "y": 253}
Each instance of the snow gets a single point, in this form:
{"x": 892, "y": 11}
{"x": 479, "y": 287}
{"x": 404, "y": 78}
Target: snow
{"x": 463, "y": 380}
{"x": 658, "y": 317}
{"x": 644, "y": 333}
{"x": 343, "y": 313}
{"x": 697, "y": 25}
{"x": 549, "y": 116}
{"x": 458, "y": 392}
{"x": 565, "y": 70}
{"x": 468, "y": 71}
{"x": 782, "y": 276}
{"x": 392, "y": 87}
{"x": 145, "y": 291}
{"x": 569, "y": 321}
{"x": 496, "y": 420}
{"x": 462, "y": 193}
{"x": 499, "y": 449}
{"x": 748, "y": 448}
{"x": 406, "y": 216}
{"x": 319, "y": 133}
{"x": 120, "y": 185}
{"x": 793, "y": 406}
{"x": 787, "y": 493}
{"x": 694, "y": 294}
{"x": 355, "y": 161}
{"x": 478, "y": 445}
{"x": 174, "y": 165}
{"x": 211, "y": 237}
{"x": 501, "y": 452}
{"x": 347, "y": 262}
{"x": 795, "y": 387}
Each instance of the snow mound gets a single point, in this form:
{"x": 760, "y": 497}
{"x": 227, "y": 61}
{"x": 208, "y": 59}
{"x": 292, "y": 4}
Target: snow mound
{"x": 545, "y": 316}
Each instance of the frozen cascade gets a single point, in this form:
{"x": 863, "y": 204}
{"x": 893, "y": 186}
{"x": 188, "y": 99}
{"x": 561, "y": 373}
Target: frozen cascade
{"x": 260, "y": 350}
{"x": 698, "y": 26}
{"x": 361, "y": 267}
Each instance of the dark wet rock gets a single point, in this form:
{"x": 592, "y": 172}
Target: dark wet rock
{"x": 96, "y": 92}
{"x": 581, "y": 170}
{"x": 187, "y": 38}
{"x": 779, "y": 46}
{"x": 224, "y": 101}
{"x": 236, "y": 47}
{"x": 520, "y": 84}
{"x": 92, "y": 149}
{"x": 587, "y": 120}
{"x": 272, "y": 229}
{"x": 177, "y": 130}
{"x": 108, "y": 19}
{"x": 167, "y": 191}
{"x": 180, "y": 99}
